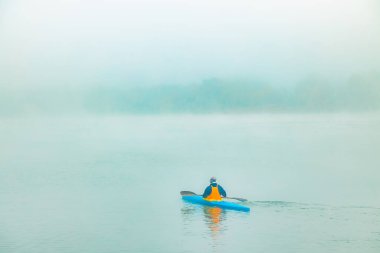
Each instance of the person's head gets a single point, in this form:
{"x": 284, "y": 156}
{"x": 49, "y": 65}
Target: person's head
{"x": 213, "y": 180}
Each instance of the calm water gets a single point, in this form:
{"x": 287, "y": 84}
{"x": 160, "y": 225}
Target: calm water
{"x": 111, "y": 184}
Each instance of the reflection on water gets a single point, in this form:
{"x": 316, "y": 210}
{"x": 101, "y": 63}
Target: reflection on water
{"x": 213, "y": 218}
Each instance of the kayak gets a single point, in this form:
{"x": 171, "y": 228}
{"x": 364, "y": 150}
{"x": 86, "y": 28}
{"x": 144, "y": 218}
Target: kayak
{"x": 195, "y": 199}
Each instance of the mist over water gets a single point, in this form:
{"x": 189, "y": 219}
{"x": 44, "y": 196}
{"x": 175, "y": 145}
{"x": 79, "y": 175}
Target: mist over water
{"x": 67, "y": 57}
{"x": 71, "y": 45}
{"x": 108, "y": 109}
{"x": 166, "y": 56}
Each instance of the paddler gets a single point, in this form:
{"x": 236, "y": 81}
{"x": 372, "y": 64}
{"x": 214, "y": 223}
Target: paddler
{"x": 214, "y": 192}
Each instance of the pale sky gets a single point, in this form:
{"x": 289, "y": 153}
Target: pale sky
{"x": 146, "y": 42}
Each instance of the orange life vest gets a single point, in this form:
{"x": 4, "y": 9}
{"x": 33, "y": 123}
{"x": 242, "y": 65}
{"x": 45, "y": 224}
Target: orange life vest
{"x": 215, "y": 195}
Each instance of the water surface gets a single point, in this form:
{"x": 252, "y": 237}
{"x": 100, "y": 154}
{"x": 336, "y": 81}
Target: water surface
{"x": 111, "y": 184}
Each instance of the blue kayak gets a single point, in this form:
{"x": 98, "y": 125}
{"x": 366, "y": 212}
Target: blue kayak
{"x": 195, "y": 199}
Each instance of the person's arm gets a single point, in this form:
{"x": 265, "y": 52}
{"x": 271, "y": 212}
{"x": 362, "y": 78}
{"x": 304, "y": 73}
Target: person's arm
{"x": 207, "y": 192}
{"x": 222, "y": 191}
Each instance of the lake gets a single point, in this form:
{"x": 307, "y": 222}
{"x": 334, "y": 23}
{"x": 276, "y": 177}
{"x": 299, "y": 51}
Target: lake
{"x": 94, "y": 183}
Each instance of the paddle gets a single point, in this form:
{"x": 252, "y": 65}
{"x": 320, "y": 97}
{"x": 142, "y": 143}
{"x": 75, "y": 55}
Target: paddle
{"x": 192, "y": 193}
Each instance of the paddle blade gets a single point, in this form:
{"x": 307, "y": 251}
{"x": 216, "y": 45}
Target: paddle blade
{"x": 187, "y": 193}
{"x": 240, "y": 199}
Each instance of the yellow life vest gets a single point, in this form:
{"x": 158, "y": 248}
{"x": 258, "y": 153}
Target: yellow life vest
{"x": 215, "y": 195}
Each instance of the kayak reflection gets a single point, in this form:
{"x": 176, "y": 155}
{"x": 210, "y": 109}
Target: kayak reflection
{"x": 213, "y": 218}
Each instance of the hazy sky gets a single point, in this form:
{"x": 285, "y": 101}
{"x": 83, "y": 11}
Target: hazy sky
{"x": 87, "y": 42}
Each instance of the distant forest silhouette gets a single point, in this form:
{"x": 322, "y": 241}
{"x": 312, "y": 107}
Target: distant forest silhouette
{"x": 359, "y": 93}
{"x": 215, "y": 95}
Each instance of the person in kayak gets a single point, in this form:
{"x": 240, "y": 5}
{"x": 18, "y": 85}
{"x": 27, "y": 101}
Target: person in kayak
{"x": 214, "y": 192}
